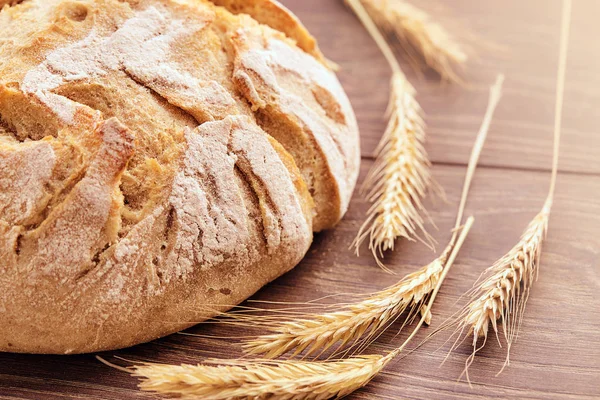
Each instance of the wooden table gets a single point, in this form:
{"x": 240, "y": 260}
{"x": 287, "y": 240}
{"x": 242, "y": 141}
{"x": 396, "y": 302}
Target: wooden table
{"x": 557, "y": 355}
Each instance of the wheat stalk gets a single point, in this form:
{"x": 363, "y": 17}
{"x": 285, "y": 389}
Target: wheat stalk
{"x": 401, "y": 175}
{"x": 419, "y": 33}
{"x": 365, "y": 320}
{"x": 260, "y": 379}
{"x": 503, "y": 294}
{"x": 399, "y": 178}
{"x": 503, "y": 290}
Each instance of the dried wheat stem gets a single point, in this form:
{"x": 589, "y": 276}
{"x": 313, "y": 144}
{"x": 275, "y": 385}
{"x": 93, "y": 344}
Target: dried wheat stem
{"x": 259, "y": 379}
{"x": 502, "y": 292}
{"x": 372, "y": 29}
{"x": 419, "y": 33}
{"x": 494, "y": 99}
{"x": 400, "y": 177}
{"x": 560, "y": 90}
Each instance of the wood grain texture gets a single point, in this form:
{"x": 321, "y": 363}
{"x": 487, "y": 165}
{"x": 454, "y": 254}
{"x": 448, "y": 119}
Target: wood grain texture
{"x": 557, "y": 355}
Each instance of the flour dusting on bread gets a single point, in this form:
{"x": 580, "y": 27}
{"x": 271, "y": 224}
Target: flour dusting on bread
{"x": 288, "y": 86}
{"x": 143, "y": 185}
{"x": 26, "y": 170}
{"x": 141, "y": 47}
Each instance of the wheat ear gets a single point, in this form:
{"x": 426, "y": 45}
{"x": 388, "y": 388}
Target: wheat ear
{"x": 259, "y": 379}
{"x": 365, "y": 320}
{"x": 502, "y": 292}
{"x": 400, "y": 176}
{"x": 419, "y": 33}
{"x": 356, "y": 322}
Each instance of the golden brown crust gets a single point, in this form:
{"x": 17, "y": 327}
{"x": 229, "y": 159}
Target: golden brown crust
{"x": 139, "y": 193}
{"x": 301, "y": 104}
{"x": 277, "y": 16}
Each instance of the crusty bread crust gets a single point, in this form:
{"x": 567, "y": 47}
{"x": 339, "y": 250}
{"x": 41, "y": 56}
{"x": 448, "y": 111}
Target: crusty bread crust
{"x": 277, "y": 16}
{"x": 160, "y": 161}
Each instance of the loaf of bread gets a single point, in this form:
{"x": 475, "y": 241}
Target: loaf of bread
{"x": 160, "y": 161}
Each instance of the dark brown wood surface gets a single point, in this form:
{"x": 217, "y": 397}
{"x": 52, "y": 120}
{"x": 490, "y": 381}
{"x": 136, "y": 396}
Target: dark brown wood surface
{"x": 557, "y": 355}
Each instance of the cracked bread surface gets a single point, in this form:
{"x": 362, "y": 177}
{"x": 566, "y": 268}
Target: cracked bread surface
{"x": 160, "y": 161}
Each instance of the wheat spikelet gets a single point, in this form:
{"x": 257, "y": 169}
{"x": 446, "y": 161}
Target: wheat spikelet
{"x": 503, "y": 290}
{"x": 419, "y": 33}
{"x": 502, "y": 293}
{"x": 260, "y": 380}
{"x": 400, "y": 176}
{"x": 356, "y": 322}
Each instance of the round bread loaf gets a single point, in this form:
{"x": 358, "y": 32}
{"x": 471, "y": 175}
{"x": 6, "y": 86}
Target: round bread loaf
{"x": 160, "y": 161}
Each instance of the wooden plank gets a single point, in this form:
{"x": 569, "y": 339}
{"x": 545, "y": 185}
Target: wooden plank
{"x": 558, "y": 352}
{"x": 518, "y": 38}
